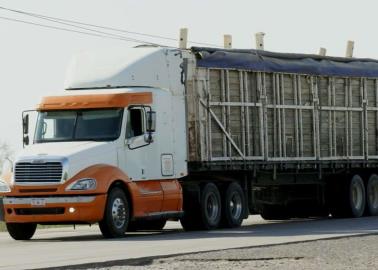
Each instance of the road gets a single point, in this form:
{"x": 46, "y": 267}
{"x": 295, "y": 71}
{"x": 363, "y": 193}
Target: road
{"x": 66, "y": 246}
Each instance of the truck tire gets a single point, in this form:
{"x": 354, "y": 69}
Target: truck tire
{"x": 116, "y": 216}
{"x": 357, "y": 197}
{"x": 211, "y": 207}
{"x": 233, "y": 206}
{"x": 349, "y": 198}
{"x": 146, "y": 225}
{"x": 21, "y": 231}
{"x": 372, "y": 195}
{"x": 207, "y": 215}
{"x": 274, "y": 212}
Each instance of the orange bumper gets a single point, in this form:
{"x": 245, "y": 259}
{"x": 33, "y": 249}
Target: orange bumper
{"x": 59, "y": 209}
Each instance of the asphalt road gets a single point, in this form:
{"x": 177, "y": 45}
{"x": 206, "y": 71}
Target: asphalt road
{"x": 66, "y": 246}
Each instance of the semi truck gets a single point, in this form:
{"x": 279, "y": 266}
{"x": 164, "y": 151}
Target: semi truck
{"x": 203, "y": 136}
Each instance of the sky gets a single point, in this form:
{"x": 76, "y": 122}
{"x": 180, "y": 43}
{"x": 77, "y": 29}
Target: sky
{"x": 33, "y": 60}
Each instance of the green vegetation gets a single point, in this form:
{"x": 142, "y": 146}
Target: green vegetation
{"x": 2, "y": 227}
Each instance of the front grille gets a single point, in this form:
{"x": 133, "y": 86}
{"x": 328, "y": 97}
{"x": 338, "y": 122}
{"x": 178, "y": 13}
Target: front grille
{"x": 39, "y": 211}
{"x": 27, "y": 172}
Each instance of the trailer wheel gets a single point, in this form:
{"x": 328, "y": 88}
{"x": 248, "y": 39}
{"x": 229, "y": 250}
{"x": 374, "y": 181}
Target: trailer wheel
{"x": 146, "y": 225}
{"x": 116, "y": 216}
{"x": 233, "y": 206}
{"x": 21, "y": 231}
{"x": 372, "y": 195}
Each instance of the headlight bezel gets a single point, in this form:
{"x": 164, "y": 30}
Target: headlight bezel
{"x": 5, "y": 185}
{"x": 75, "y": 185}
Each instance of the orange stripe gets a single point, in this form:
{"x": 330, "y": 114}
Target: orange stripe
{"x": 75, "y": 102}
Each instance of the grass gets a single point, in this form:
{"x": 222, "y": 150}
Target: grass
{"x": 2, "y": 227}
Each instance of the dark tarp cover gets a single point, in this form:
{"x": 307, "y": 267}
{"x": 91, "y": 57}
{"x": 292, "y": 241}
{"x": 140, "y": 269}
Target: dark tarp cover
{"x": 310, "y": 64}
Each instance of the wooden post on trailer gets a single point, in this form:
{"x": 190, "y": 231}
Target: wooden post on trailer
{"x": 227, "y": 41}
{"x": 322, "y": 51}
{"x": 349, "y": 49}
{"x": 259, "y": 40}
{"x": 183, "y": 41}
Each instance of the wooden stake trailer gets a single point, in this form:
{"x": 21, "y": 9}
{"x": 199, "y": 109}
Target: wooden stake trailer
{"x": 300, "y": 140}
{"x": 205, "y": 136}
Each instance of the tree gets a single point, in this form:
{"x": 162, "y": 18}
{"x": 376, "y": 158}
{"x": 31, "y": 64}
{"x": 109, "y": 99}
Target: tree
{"x": 6, "y": 154}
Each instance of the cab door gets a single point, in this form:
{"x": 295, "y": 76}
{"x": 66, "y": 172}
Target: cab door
{"x": 140, "y": 151}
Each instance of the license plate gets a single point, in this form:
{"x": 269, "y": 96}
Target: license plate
{"x": 38, "y": 202}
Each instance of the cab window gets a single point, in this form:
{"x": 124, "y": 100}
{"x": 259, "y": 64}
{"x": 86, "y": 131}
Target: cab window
{"x": 135, "y": 122}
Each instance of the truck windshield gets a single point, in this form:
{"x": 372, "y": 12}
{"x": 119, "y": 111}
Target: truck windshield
{"x": 81, "y": 125}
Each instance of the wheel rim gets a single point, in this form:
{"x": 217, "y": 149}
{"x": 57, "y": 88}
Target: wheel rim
{"x": 357, "y": 195}
{"x": 236, "y": 205}
{"x": 118, "y": 213}
{"x": 373, "y": 193}
{"x": 212, "y": 208}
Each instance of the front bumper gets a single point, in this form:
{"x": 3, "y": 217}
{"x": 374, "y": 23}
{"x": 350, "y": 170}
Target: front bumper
{"x": 56, "y": 209}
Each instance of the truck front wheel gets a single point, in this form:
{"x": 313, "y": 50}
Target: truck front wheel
{"x": 233, "y": 206}
{"x": 21, "y": 231}
{"x": 116, "y": 216}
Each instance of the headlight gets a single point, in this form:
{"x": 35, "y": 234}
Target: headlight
{"x": 82, "y": 184}
{"x": 4, "y": 187}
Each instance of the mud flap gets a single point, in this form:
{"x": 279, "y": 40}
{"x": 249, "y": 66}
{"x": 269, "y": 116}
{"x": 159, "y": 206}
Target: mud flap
{"x": 2, "y": 218}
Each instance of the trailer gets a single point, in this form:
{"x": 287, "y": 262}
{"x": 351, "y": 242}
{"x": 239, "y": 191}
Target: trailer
{"x": 202, "y": 135}
{"x": 297, "y": 132}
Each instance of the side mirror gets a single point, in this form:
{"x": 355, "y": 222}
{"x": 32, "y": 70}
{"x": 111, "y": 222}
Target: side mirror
{"x": 151, "y": 121}
{"x": 25, "y": 124}
{"x": 25, "y": 129}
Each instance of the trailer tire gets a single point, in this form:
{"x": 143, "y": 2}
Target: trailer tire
{"x": 233, "y": 206}
{"x": 372, "y": 195}
{"x": 21, "y": 231}
{"x": 146, "y": 225}
{"x": 117, "y": 214}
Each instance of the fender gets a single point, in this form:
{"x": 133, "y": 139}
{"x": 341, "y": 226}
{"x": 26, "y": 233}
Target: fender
{"x": 106, "y": 176}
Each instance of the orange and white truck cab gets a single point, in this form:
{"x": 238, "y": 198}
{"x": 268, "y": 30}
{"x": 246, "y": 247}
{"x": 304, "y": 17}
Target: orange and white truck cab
{"x": 110, "y": 149}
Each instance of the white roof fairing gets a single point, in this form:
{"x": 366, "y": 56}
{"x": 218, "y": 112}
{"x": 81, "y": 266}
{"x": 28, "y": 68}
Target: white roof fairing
{"x": 146, "y": 66}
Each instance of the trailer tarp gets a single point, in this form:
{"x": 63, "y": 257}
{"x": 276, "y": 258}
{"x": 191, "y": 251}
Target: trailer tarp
{"x": 265, "y": 61}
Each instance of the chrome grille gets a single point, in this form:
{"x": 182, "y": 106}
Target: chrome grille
{"x": 27, "y": 172}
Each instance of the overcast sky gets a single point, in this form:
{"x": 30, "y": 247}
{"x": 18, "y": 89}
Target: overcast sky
{"x": 33, "y": 59}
